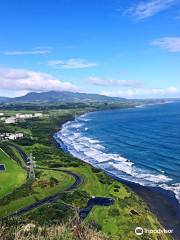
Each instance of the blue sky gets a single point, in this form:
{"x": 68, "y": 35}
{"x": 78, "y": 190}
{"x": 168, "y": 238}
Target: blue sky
{"x": 112, "y": 47}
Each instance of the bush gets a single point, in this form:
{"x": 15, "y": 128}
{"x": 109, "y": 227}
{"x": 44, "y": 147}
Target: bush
{"x": 114, "y": 212}
{"x": 104, "y": 179}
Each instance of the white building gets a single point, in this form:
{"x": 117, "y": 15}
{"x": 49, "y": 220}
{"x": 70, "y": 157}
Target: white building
{"x": 38, "y": 115}
{"x": 1, "y": 114}
{"x": 10, "y": 120}
{"x": 24, "y": 116}
{"x": 11, "y": 136}
{"x": 27, "y": 115}
{"x": 18, "y": 115}
{"x": 19, "y": 135}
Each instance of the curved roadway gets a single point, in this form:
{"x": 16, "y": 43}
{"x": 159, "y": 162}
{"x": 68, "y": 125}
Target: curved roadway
{"x": 49, "y": 199}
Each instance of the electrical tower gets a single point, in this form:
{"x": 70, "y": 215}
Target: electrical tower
{"x": 31, "y": 165}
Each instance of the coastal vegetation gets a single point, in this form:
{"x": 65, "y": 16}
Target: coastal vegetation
{"x": 117, "y": 221}
{"x": 54, "y": 232}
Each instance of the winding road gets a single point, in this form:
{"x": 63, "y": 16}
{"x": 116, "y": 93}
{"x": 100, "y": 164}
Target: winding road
{"x": 78, "y": 181}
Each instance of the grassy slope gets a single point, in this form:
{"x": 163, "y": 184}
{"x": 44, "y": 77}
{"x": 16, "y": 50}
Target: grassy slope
{"x": 13, "y": 177}
{"x": 40, "y": 189}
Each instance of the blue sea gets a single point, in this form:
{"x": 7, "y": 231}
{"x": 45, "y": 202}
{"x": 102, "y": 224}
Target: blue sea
{"x": 141, "y": 145}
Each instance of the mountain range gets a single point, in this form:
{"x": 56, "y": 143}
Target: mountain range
{"x": 64, "y": 97}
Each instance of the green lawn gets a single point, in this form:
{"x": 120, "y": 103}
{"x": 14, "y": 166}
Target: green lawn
{"x": 12, "y": 177}
{"x": 39, "y": 189}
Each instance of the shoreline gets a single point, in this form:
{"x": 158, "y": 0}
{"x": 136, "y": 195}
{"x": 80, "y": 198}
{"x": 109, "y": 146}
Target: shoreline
{"x": 161, "y": 202}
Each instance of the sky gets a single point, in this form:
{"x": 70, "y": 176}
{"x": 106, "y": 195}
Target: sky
{"x": 127, "y": 48}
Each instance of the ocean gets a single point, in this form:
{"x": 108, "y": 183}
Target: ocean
{"x": 141, "y": 145}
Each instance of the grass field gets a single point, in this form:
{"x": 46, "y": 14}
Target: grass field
{"x": 46, "y": 184}
{"x": 12, "y": 177}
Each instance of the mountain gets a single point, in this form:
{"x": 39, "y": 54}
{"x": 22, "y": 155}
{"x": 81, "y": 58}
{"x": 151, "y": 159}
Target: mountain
{"x": 4, "y": 99}
{"x": 64, "y": 97}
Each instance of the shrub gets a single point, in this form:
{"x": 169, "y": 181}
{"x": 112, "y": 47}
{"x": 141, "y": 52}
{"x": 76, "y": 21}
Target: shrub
{"x": 114, "y": 212}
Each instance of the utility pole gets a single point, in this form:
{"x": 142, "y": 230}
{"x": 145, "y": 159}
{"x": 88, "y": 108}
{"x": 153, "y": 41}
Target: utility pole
{"x": 31, "y": 165}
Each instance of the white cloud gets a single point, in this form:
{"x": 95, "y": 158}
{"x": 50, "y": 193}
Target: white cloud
{"x": 145, "y": 92}
{"x": 172, "y": 44}
{"x": 146, "y": 9}
{"x": 35, "y": 51}
{"x": 73, "y": 63}
{"x": 132, "y": 89}
{"x": 26, "y": 80}
{"x": 111, "y": 82}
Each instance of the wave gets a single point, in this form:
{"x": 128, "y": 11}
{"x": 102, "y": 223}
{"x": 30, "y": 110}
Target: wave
{"x": 174, "y": 188}
{"x": 93, "y": 152}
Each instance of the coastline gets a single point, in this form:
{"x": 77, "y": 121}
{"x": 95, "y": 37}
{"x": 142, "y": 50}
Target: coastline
{"x": 162, "y": 203}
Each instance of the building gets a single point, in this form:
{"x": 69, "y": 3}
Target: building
{"x": 38, "y": 115}
{"x": 24, "y": 116}
{"x": 3, "y": 119}
{"x": 1, "y": 114}
{"x": 20, "y": 116}
{"x": 19, "y": 135}
{"x": 10, "y": 120}
{"x": 11, "y": 136}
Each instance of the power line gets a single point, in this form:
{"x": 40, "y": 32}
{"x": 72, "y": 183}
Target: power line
{"x": 31, "y": 165}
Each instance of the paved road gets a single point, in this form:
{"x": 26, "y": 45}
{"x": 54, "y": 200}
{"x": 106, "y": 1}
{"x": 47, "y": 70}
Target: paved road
{"x": 20, "y": 151}
{"x": 95, "y": 201}
{"x": 78, "y": 181}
